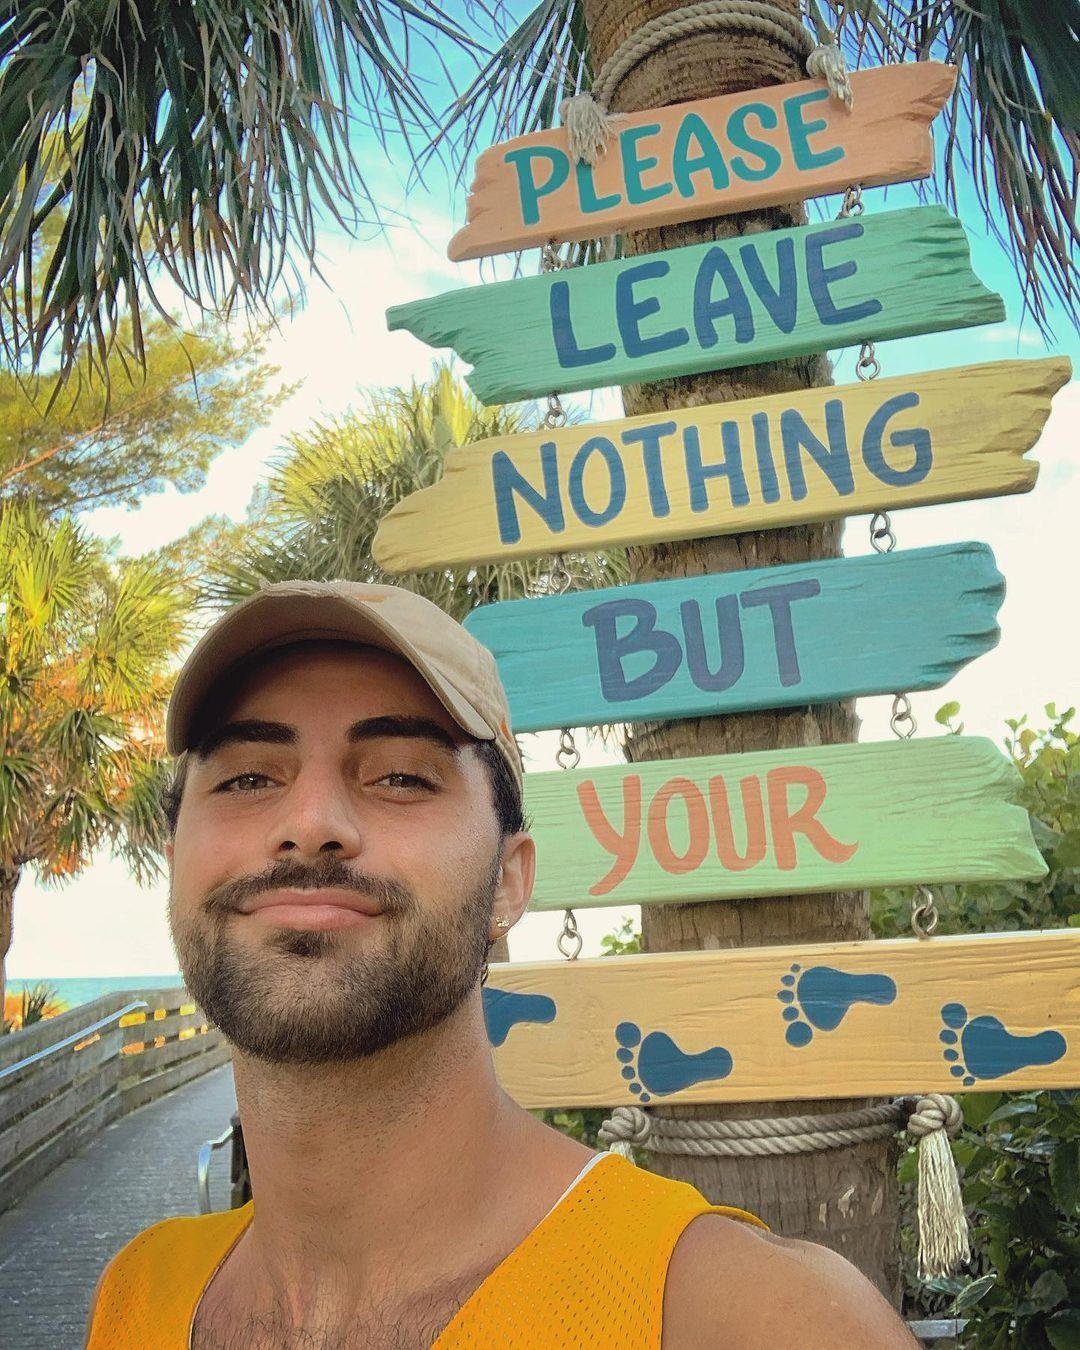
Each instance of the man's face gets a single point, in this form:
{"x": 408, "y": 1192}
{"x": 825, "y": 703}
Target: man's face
{"x": 336, "y": 859}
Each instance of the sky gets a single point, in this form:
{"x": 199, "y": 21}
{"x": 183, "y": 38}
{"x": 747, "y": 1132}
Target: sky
{"x": 336, "y": 345}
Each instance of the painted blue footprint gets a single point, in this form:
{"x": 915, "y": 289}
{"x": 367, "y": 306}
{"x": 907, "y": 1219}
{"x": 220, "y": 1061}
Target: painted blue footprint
{"x": 661, "y": 1067}
{"x": 820, "y": 998}
{"x": 504, "y": 1009}
{"x": 987, "y": 1050}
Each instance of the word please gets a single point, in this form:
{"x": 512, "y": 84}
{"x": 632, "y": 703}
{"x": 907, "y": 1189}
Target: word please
{"x": 753, "y": 144}
{"x": 723, "y": 459}
{"x": 769, "y": 820}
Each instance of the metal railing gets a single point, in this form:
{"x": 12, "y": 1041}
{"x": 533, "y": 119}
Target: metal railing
{"x": 66, "y": 1078}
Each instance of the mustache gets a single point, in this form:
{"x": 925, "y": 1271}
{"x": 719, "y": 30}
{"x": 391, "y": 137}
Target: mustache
{"x": 329, "y": 873}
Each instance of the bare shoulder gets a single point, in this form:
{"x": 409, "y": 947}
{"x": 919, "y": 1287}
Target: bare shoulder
{"x": 733, "y": 1285}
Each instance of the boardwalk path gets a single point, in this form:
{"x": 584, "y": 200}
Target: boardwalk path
{"x": 55, "y": 1242}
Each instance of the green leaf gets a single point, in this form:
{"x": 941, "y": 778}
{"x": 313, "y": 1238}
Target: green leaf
{"x": 946, "y": 713}
{"x": 1063, "y": 1329}
{"x": 1047, "y": 839}
{"x": 1067, "y": 853}
{"x": 1048, "y": 1291}
{"x": 975, "y": 1292}
{"x": 1012, "y": 1109}
{"x": 908, "y": 1169}
{"x": 979, "y": 1107}
{"x": 1065, "y": 1175}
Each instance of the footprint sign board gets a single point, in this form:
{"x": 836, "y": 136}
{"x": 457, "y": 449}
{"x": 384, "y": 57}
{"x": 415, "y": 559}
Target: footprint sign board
{"x": 768, "y": 638}
{"x": 707, "y": 158}
{"x": 779, "y": 822}
{"x": 755, "y": 464}
{"x": 760, "y": 297}
{"x": 857, "y": 1019}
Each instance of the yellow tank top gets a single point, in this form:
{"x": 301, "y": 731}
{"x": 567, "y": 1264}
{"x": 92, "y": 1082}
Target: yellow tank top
{"x": 591, "y": 1273}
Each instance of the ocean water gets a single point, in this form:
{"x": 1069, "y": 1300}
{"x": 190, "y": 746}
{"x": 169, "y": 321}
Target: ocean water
{"x": 72, "y": 993}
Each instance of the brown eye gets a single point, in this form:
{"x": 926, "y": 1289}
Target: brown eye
{"x": 244, "y": 782}
{"x": 407, "y": 781}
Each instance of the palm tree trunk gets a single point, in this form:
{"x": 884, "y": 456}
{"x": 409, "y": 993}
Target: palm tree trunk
{"x": 9, "y": 879}
{"x": 845, "y": 1198}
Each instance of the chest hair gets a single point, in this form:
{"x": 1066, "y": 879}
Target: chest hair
{"x": 388, "y": 1324}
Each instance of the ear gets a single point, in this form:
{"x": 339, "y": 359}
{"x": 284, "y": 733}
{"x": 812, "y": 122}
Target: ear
{"x": 517, "y": 871}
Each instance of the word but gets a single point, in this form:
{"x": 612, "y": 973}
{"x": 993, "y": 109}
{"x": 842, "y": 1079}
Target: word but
{"x": 614, "y": 650}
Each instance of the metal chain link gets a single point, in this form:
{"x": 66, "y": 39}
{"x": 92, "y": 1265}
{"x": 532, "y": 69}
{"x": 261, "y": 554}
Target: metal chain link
{"x": 569, "y": 941}
{"x": 853, "y": 202}
{"x": 556, "y": 415}
{"x": 568, "y": 756}
{"x": 924, "y": 912}
{"x": 881, "y": 532}
{"x": 902, "y": 717}
{"x": 867, "y": 367}
{"x": 551, "y": 260}
{"x": 560, "y": 578}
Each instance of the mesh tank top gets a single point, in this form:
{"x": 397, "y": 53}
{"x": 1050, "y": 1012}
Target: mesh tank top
{"x": 591, "y": 1273}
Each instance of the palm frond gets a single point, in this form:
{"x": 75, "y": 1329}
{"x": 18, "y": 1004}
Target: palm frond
{"x": 202, "y": 139}
{"x": 1013, "y": 126}
{"x": 320, "y": 511}
{"x": 86, "y": 646}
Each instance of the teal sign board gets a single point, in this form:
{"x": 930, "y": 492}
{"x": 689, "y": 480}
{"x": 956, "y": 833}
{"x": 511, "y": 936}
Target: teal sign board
{"x": 760, "y": 297}
{"x": 773, "y": 637}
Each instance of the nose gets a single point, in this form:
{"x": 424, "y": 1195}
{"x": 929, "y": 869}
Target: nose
{"x": 318, "y": 816}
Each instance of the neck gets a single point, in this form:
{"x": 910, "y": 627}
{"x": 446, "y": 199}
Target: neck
{"x": 397, "y": 1169}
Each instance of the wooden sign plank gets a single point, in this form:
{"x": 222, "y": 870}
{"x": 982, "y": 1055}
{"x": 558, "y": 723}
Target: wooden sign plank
{"x": 858, "y": 1019}
{"x": 814, "y": 454}
{"x": 760, "y": 297}
{"x": 779, "y": 822}
{"x": 807, "y": 633}
{"x": 706, "y": 158}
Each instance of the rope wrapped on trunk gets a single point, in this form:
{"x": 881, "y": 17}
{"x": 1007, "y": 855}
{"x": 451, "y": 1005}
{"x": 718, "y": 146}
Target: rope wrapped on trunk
{"x": 931, "y": 1119}
{"x": 590, "y": 125}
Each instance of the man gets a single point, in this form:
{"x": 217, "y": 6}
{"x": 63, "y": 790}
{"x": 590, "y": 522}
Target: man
{"x": 347, "y": 843}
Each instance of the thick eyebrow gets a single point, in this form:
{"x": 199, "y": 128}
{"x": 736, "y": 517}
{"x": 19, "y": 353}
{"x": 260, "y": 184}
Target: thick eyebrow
{"x": 245, "y": 733}
{"x": 367, "y": 729}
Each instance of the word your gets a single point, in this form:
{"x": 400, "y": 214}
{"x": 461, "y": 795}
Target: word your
{"x": 613, "y": 649}
{"x": 767, "y": 813}
{"x": 755, "y": 143}
{"x": 710, "y": 459}
{"x": 797, "y": 273}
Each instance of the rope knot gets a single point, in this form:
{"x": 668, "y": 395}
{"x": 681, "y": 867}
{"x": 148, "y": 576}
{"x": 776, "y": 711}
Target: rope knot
{"x": 935, "y": 1111}
{"x": 827, "y": 63}
{"x": 626, "y": 1126}
{"x": 589, "y": 126}
{"x": 588, "y": 123}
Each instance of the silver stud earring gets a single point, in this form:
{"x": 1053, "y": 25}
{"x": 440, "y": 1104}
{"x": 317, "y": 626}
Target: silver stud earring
{"x": 502, "y": 922}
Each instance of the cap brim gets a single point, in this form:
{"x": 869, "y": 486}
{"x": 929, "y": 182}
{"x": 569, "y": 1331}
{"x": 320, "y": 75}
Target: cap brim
{"x": 272, "y": 619}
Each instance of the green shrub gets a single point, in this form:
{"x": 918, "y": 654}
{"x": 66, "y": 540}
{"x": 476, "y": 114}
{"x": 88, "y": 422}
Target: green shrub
{"x": 1019, "y": 1154}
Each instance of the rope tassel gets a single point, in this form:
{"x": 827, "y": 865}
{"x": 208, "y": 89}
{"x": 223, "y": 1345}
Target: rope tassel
{"x": 590, "y": 126}
{"x": 943, "y": 1230}
{"x": 932, "y": 1120}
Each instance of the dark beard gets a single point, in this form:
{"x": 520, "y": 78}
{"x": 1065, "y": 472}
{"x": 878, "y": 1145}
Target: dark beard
{"x": 278, "y": 1005}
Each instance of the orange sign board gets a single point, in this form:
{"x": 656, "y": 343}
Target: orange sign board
{"x": 707, "y": 158}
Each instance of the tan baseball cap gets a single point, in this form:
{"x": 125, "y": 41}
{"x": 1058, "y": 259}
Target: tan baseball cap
{"x": 460, "y": 671}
